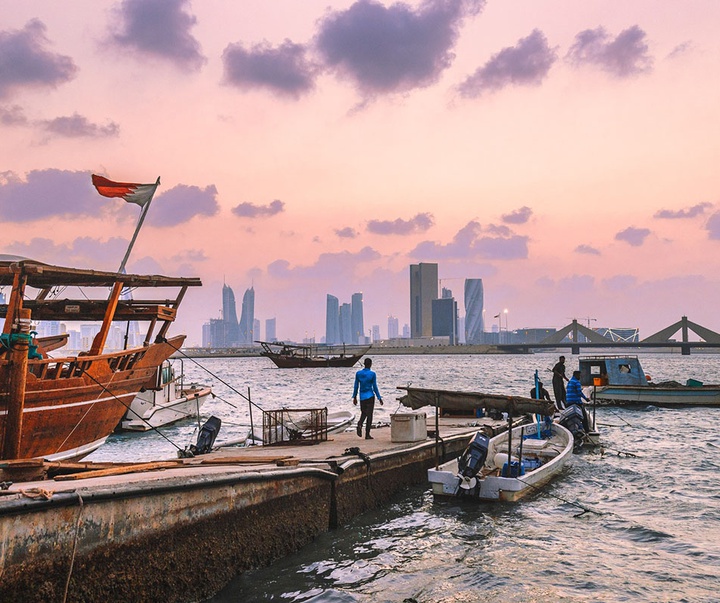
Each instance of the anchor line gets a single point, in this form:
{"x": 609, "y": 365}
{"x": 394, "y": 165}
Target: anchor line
{"x": 209, "y": 372}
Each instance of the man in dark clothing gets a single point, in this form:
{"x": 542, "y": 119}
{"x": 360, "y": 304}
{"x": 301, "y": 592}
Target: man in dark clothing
{"x": 558, "y": 382}
{"x": 366, "y": 384}
{"x": 544, "y": 395}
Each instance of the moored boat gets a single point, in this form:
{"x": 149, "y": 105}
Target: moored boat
{"x": 507, "y": 467}
{"x": 169, "y": 400}
{"x": 287, "y": 355}
{"x": 621, "y": 380}
{"x": 63, "y": 408}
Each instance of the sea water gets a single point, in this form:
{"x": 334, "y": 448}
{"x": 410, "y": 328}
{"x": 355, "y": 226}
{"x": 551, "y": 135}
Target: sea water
{"x": 639, "y": 523}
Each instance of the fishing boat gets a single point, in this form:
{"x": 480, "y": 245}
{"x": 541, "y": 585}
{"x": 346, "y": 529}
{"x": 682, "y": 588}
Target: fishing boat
{"x": 288, "y": 355}
{"x": 168, "y": 401}
{"x": 63, "y": 408}
{"x": 507, "y": 467}
{"x": 620, "y": 380}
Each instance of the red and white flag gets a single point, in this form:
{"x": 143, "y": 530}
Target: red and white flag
{"x": 141, "y": 194}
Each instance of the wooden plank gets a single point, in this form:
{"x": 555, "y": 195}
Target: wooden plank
{"x": 21, "y": 463}
{"x": 243, "y": 460}
{"x": 118, "y": 470}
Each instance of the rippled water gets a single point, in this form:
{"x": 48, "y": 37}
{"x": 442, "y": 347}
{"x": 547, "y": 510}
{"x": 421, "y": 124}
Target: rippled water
{"x": 614, "y": 527}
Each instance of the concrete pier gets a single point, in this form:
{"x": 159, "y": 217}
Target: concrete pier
{"x": 181, "y": 532}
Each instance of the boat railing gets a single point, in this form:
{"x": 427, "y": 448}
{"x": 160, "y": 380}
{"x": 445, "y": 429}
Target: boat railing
{"x": 67, "y": 368}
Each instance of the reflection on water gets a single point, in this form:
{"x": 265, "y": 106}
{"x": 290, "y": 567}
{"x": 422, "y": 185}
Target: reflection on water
{"x": 652, "y": 533}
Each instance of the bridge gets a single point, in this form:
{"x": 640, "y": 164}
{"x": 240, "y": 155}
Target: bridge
{"x": 569, "y": 337}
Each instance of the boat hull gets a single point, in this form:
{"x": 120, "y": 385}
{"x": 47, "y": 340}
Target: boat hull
{"x": 150, "y": 410}
{"x": 610, "y": 395}
{"x": 297, "y": 362}
{"x": 72, "y": 405}
{"x": 492, "y": 486}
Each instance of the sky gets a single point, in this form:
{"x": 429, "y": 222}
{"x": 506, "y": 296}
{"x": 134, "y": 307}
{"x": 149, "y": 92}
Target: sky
{"x": 565, "y": 152}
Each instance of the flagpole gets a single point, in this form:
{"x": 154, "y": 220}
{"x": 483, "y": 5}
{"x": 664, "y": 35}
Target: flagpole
{"x": 143, "y": 213}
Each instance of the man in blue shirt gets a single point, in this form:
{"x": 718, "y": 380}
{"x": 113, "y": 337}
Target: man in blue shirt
{"x": 575, "y": 395}
{"x": 366, "y": 383}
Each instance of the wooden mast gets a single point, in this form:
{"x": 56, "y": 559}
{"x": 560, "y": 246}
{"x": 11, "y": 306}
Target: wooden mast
{"x": 99, "y": 342}
{"x": 17, "y": 331}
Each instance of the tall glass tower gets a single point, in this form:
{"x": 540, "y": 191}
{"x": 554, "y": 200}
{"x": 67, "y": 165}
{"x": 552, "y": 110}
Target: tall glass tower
{"x": 332, "y": 320}
{"x": 345, "y": 324}
{"x": 229, "y": 316}
{"x": 474, "y": 324}
{"x": 247, "y": 316}
{"x": 423, "y": 290}
{"x": 356, "y": 318}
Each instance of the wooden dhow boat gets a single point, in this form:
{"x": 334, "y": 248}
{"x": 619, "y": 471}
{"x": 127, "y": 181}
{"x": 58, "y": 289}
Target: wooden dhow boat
{"x": 288, "y": 355}
{"x": 63, "y": 408}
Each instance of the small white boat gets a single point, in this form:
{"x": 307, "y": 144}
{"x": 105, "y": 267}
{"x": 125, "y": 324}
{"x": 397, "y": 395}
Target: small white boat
{"x": 507, "y": 467}
{"x": 169, "y": 401}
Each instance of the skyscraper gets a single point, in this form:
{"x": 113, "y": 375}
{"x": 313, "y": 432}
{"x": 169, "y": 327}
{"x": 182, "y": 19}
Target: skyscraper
{"x": 247, "y": 316}
{"x": 444, "y": 318}
{"x": 393, "y": 328}
{"x": 332, "y": 320}
{"x": 356, "y": 318}
{"x": 474, "y": 324}
{"x": 270, "y": 330}
{"x": 229, "y": 316}
{"x": 423, "y": 290}
{"x": 345, "y": 324}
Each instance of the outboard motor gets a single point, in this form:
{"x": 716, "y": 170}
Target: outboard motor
{"x": 571, "y": 418}
{"x": 206, "y": 437}
{"x": 472, "y": 461}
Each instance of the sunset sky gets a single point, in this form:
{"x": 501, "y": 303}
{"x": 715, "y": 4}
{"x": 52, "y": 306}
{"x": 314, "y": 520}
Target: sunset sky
{"x": 565, "y": 152}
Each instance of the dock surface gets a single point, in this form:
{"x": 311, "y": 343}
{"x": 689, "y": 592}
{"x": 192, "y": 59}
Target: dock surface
{"x": 126, "y": 532}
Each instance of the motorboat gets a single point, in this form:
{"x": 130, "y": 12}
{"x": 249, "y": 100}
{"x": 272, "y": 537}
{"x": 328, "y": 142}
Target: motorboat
{"x": 507, "y": 467}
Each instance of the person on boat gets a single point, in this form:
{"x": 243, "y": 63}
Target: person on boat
{"x": 576, "y": 396}
{"x": 544, "y": 395}
{"x": 366, "y": 384}
{"x": 558, "y": 382}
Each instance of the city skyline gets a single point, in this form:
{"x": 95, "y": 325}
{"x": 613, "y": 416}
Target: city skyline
{"x": 560, "y": 151}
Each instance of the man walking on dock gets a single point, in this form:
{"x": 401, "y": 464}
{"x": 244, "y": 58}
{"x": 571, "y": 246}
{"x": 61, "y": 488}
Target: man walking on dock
{"x": 366, "y": 383}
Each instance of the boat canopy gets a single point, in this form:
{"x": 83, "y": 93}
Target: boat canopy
{"x": 453, "y": 400}
{"x": 47, "y": 278}
{"x": 612, "y": 370}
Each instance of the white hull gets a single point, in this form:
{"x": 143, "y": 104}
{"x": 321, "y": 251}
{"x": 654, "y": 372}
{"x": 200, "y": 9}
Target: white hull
{"x": 552, "y": 452}
{"x": 151, "y": 408}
